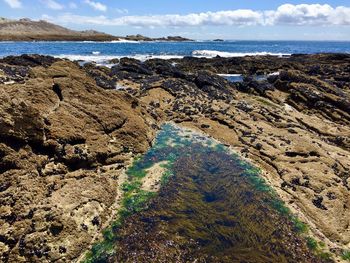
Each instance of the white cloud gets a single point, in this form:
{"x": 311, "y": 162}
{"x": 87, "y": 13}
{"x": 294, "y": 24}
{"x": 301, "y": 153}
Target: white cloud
{"x": 236, "y": 17}
{"x": 288, "y": 14}
{"x": 312, "y": 14}
{"x": 14, "y": 3}
{"x": 96, "y": 5}
{"x": 52, "y": 4}
{"x": 121, "y": 11}
{"x": 72, "y": 5}
{"x": 341, "y": 16}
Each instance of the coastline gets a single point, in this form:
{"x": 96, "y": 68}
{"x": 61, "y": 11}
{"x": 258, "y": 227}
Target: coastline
{"x": 272, "y": 122}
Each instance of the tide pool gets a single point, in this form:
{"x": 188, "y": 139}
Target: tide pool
{"x": 212, "y": 207}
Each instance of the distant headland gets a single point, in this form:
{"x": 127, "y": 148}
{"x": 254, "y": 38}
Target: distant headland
{"x": 29, "y": 30}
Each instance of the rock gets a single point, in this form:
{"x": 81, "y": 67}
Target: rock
{"x": 114, "y": 61}
{"x": 314, "y": 94}
{"x": 216, "y": 87}
{"x": 318, "y": 203}
{"x": 29, "y": 60}
{"x": 164, "y": 68}
{"x": 65, "y": 133}
{"x": 101, "y": 76}
{"x": 56, "y": 130}
{"x": 132, "y": 66}
{"x": 139, "y": 37}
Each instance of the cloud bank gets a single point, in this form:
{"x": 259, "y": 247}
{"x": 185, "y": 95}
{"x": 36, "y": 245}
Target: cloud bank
{"x": 287, "y": 14}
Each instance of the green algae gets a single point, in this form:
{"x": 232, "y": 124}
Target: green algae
{"x": 346, "y": 255}
{"x": 318, "y": 248}
{"x": 299, "y": 226}
{"x": 224, "y": 205}
{"x": 134, "y": 199}
{"x": 312, "y": 243}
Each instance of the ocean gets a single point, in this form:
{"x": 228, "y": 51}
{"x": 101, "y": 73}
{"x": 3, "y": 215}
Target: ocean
{"x": 101, "y": 52}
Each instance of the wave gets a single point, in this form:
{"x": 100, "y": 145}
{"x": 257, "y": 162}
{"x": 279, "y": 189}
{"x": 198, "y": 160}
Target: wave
{"x": 104, "y": 59}
{"x": 214, "y": 53}
{"x": 87, "y": 58}
{"x": 146, "y": 57}
{"x": 230, "y": 75}
{"x": 124, "y": 41}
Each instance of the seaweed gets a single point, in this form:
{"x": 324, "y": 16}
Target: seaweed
{"x": 212, "y": 179}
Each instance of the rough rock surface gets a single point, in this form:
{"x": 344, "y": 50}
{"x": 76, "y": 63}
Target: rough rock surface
{"x": 63, "y": 141}
{"x": 294, "y": 125}
{"x": 65, "y": 132}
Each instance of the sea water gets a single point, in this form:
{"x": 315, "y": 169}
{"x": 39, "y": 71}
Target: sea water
{"x": 103, "y": 51}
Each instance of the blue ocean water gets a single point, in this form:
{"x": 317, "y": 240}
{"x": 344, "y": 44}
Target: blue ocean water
{"x": 143, "y": 50}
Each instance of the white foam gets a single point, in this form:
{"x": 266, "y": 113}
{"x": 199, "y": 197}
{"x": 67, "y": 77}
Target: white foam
{"x": 124, "y": 41}
{"x": 146, "y": 57}
{"x": 103, "y": 59}
{"x": 288, "y": 108}
{"x": 9, "y": 82}
{"x": 119, "y": 87}
{"x": 214, "y": 53}
{"x": 274, "y": 73}
{"x": 230, "y": 75}
{"x": 87, "y": 58}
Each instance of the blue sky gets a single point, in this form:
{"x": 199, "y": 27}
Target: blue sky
{"x": 198, "y": 19}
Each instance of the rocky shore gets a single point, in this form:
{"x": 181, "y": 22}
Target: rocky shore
{"x": 67, "y": 132}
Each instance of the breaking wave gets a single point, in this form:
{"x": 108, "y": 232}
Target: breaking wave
{"x": 214, "y": 53}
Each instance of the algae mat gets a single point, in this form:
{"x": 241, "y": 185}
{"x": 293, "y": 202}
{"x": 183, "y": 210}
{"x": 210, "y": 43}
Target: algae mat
{"x": 212, "y": 207}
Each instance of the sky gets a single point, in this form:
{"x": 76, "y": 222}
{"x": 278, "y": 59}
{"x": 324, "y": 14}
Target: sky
{"x": 196, "y": 19}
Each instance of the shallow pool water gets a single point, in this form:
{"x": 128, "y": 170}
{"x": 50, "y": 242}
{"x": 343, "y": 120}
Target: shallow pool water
{"x": 212, "y": 207}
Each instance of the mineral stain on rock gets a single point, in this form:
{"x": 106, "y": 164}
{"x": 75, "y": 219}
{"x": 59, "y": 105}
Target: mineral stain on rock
{"x": 214, "y": 207}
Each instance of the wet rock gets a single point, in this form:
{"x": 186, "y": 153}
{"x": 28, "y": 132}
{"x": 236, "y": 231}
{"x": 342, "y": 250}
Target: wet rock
{"x": 258, "y": 146}
{"x": 29, "y": 60}
{"x": 250, "y": 85}
{"x": 318, "y": 203}
{"x": 216, "y": 87}
{"x": 56, "y": 228}
{"x": 164, "y": 68}
{"x": 131, "y": 65}
{"x": 244, "y": 106}
{"x": 62, "y": 250}
{"x": 95, "y": 221}
{"x": 101, "y": 76}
